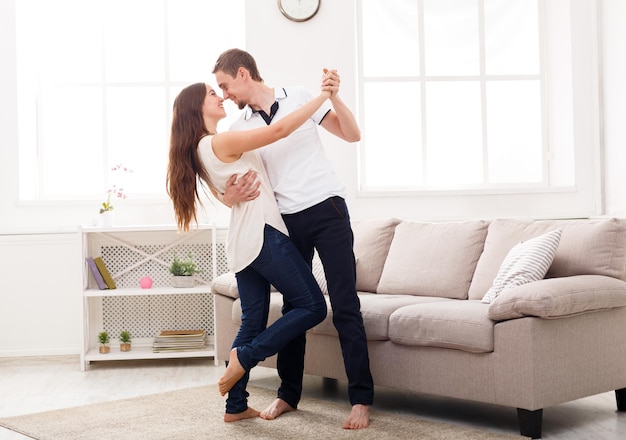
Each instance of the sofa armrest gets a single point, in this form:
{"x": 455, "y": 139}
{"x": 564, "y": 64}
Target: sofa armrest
{"x": 225, "y": 285}
{"x": 559, "y": 297}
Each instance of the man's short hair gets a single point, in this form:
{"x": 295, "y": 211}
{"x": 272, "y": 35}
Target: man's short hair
{"x": 231, "y": 60}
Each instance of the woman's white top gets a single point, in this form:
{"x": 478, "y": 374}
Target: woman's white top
{"x": 247, "y": 219}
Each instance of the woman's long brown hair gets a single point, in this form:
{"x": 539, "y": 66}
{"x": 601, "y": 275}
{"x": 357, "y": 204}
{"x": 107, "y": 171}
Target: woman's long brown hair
{"x": 185, "y": 167}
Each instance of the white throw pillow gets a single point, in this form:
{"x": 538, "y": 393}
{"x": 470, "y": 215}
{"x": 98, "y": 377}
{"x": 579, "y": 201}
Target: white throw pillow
{"x": 319, "y": 274}
{"x": 528, "y": 261}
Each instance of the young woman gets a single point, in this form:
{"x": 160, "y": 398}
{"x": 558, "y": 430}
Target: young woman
{"x": 258, "y": 248}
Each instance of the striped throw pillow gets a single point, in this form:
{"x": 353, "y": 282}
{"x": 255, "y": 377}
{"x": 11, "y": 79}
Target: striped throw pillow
{"x": 319, "y": 274}
{"x": 527, "y": 261}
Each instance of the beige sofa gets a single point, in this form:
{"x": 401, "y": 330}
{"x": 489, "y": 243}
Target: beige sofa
{"x": 421, "y": 286}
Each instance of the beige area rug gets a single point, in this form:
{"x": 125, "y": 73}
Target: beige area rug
{"x": 197, "y": 413}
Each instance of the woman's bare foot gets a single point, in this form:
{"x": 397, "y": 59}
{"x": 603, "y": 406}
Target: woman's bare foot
{"x": 278, "y": 407}
{"x": 250, "y": 413}
{"x": 233, "y": 373}
{"x": 359, "y": 417}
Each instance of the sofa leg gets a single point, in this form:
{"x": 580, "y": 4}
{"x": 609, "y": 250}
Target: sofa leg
{"x": 530, "y": 422}
{"x": 620, "y": 397}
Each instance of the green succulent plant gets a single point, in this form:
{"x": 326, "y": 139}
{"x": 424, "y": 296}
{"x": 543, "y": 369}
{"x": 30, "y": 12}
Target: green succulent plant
{"x": 125, "y": 337}
{"x": 103, "y": 338}
{"x": 185, "y": 268}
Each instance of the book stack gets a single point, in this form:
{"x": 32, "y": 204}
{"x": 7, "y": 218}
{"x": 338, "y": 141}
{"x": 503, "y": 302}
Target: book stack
{"x": 179, "y": 340}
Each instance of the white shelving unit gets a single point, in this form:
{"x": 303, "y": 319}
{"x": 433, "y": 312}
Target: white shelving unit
{"x": 131, "y": 252}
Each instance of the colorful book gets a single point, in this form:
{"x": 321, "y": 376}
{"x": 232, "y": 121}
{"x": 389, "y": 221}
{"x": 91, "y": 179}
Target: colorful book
{"x": 96, "y": 274}
{"x": 108, "y": 279}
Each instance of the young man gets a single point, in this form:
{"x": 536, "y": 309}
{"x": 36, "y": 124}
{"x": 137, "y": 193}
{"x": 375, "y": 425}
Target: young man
{"x": 311, "y": 200}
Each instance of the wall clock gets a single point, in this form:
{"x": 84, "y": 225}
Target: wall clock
{"x": 299, "y": 10}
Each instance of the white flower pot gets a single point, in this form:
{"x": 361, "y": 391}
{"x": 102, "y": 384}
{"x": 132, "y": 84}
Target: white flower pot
{"x": 106, "y": 219}
{"x": 183, "y": 281}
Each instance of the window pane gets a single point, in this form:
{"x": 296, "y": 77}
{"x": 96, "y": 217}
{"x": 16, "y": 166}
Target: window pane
{"x": 453, "y": 134}
{"x": 393, "y": 151}
{"x": 137, "y": 136}
{"x": 122, "y": 63}
{"x": 451, "y": 37}
{"x": 383, "y": 30}
{"x": 511, "y": 37}
{"x": 60, "y": 56}
{"x": 134, "y": 34}
{"x": 70, "y": 141}
{"x": 514, "y": 127}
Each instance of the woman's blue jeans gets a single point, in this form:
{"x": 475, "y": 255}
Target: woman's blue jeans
{"x": 280, "y": 264}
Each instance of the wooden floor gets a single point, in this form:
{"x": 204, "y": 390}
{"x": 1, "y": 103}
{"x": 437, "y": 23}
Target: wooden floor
{"x": 30, "y": 384}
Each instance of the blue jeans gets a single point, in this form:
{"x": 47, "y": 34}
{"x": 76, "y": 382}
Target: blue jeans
{"x": 326, "y": 227}
{"x": 279, "y": 263}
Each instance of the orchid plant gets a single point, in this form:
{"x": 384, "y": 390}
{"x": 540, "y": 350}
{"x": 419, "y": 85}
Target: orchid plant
{"x": 114, "y": 191}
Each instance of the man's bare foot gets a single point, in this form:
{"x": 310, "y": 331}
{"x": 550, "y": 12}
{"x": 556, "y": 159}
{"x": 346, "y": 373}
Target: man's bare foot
{"x": 278, "y": 407}
{"x": 233, "y": 373}
{"x": 250, "y": 413}
{"x": 359, "y": 417}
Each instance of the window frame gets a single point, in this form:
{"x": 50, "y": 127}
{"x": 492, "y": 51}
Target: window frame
{"x": 31, "y": 160}
{"x": 580, "y": 199}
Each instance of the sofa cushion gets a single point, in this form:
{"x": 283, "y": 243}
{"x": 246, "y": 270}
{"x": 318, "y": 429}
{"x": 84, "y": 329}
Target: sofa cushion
{"x": 433, "y": 259}
{"x": 375, "y": 310}
{"x": 587, "y": 247}
{"x": 528, "y": 261}
{"x": 225, "y": 284}
{"x": 559, "y": 297}
{"x": 461, "y": 325}
{"x": 371, "y": 244}
{"x": 593, "y": 247}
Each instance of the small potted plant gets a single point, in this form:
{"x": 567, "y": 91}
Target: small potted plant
{"x": 124, "y": 341}
{"x": 103, "y": 338}
{"x": 183, "y": 271}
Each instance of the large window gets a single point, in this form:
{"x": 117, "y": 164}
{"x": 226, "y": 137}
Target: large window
{"x": 465, "y": 95}
{"x": 96, "y": 83}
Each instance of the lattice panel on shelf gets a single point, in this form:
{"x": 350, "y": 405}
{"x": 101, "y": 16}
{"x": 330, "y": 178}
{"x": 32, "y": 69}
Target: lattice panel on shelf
{"x": 119, "y": 258}
{"x": 146, "y": 316}
{"x": 220, "y": 256}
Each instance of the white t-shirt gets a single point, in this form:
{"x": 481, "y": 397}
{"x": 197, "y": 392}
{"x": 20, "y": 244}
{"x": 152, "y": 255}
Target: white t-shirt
{"x": 299, "y": 170}
{"x": 247, "y": 220}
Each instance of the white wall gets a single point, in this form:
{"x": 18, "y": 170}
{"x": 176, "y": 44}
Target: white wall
{"x": 287, "y": 53}
{"x": 40, "y": 294}
{"x": 613, "y": 34}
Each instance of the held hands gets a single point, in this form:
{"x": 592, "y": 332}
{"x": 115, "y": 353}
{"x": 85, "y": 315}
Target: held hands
{"x": 242, "y": 190}
{"x": 330, "y": 82}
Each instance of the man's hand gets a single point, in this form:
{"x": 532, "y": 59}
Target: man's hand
{"x": 331, "y": 81}
{"x": 340, "y": 121}
{"x": 242, "y": 190}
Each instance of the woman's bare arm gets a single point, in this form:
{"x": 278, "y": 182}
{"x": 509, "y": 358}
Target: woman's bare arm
{"x": 229, "y": 146}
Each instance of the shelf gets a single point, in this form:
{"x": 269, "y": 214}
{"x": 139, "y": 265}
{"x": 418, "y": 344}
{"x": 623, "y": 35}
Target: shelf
{"x": 130, "y": 253}
{"x": 126, "y": 291}
{"x": 143, "y": 228}
{"x": 143, "y": 350}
